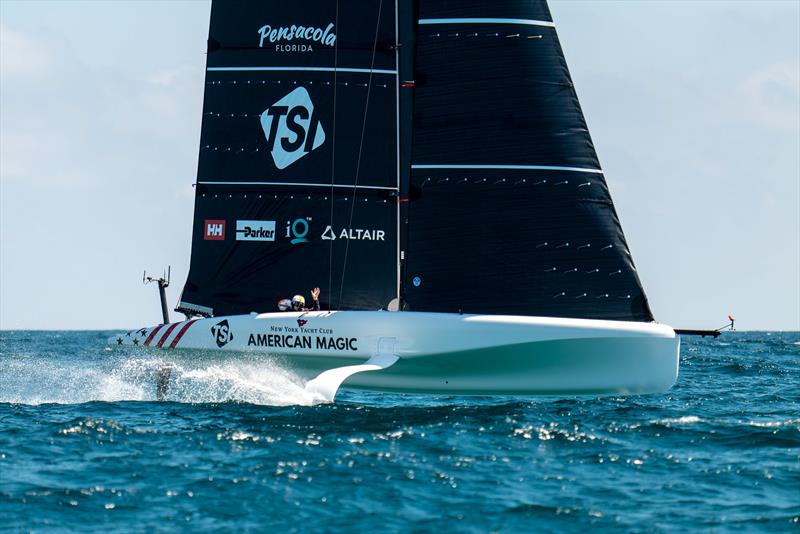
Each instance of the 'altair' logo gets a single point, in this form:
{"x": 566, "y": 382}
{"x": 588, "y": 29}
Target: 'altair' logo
{"x": 355, "y": 234}
{"x": 291, "y": 127}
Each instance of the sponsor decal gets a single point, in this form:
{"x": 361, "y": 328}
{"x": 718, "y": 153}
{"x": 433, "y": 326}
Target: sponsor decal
{"x": 255, "y": 230}
{"x": 282, "y": 37}
{"x": 301, "y": 322}
{"x": 289, "y": 337}
{"x": 292, "y": 128}
{"x": 222, "y": 333}
{"x": 214, "y": 230}
{"x": 357, "y": 234}
{"x": 297, "y": 230}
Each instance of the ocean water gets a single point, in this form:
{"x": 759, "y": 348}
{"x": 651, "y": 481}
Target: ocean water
{"x": 239, "y": 446}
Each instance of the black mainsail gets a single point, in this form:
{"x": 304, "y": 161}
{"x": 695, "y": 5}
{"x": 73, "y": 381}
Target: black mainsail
{"x": 297, "y": 175}
{"x": 454, "y": 171}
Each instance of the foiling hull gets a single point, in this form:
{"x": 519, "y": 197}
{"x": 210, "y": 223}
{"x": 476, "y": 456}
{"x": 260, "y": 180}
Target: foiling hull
{"x": 442, "y": 353}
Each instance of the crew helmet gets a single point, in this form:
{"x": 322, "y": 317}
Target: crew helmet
{"x": 285, "y": 304}
{"x": 298, "y": 301}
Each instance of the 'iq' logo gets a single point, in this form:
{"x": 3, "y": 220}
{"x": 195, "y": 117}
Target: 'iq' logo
{"x": 291, "y": 128}
{"x": 297, "y": 230}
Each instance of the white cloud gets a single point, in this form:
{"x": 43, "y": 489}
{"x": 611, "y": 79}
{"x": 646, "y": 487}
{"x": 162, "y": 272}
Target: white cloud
{"x": 772, "y": 95}
{"x": 22, "y": 57}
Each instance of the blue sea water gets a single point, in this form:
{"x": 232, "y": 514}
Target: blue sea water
{"x": 84, "y": 447}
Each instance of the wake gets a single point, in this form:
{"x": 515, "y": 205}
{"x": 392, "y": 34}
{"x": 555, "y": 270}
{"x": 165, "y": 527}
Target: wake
{"x": 120, "y": 376}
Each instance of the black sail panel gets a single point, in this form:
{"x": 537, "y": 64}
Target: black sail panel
{"x": 299, "y": 131}
{"x": 269, "y": 112}
{"x": 508, "y": 210}
{"x": 282, "y": 243}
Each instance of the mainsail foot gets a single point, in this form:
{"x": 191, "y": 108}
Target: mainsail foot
{"x": 327, "y": 383}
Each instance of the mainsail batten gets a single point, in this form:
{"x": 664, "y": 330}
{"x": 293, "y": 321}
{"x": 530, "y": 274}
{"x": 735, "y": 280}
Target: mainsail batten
{"x": 300, "y": 69}
{"x": 483, "y": 20}
{"x": 508, "y": 167}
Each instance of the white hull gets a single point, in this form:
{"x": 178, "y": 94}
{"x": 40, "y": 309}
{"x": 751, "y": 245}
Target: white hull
{"x": 442, "y": 353}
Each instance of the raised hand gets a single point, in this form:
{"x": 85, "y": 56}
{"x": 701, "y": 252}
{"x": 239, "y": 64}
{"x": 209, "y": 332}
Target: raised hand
{"x": 315, "y": 293}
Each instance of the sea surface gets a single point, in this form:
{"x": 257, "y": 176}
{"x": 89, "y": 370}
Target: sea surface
{"x": 239, "y": 446}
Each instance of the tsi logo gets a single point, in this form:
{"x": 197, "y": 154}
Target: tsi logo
{"x": 291, "y": 127}
{"x": 297, "y": 230}
{"x": 255, "y": 230}
{"x": 222, "y": 333}
{"x": 214, "y": 230}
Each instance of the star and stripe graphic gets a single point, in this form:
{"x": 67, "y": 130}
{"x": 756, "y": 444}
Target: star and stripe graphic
{"x": 163, "y": 336}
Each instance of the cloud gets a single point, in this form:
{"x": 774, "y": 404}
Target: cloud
{"x": 772, "y": 95}
{"x": 23, "y": 57}
{"x": 69, "y": 125}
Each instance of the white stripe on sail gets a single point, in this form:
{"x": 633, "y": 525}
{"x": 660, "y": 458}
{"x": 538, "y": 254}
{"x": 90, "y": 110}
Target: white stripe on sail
{"x": 310, "y": 69}
{"x": 343, "y": 186}
{"x": 527, "y": 22}
{"x": 510, "y": 167}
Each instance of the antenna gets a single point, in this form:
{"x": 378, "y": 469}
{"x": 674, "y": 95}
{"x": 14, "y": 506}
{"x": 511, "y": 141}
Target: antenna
{"x": 163, "y": 283}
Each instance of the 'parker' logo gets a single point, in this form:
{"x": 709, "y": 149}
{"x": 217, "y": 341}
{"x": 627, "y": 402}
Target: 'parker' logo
{"x": 222, "y": 333}
{"x": 291, "y": 127}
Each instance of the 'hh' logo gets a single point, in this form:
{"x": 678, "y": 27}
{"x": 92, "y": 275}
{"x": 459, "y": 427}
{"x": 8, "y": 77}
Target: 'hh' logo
{"x": 214, "y": 230}
{"x": 222, "y": 333}
{"x": 291, "y": 127}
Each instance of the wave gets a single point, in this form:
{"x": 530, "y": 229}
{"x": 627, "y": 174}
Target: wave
{"x": 694, "y": 419}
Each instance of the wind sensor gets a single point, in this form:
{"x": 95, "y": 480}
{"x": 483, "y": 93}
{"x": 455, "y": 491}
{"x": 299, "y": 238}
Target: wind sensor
{"x": 163, "y": 283}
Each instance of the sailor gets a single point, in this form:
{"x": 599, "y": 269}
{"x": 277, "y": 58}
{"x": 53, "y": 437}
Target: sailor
{"x": 298, "y": 302}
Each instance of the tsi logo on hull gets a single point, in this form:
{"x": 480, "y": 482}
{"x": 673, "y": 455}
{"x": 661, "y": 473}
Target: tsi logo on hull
{"x": 222, "y": 333}
{"x": 291, "y": 127}
{"x": 255, "y": 230}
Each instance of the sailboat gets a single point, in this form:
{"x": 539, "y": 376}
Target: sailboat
{"x": 429, "y": 166}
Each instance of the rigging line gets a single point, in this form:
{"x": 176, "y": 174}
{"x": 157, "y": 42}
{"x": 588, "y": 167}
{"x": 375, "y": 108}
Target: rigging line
{"x": 360, "y": 147}
{"x": 333, "y": 158}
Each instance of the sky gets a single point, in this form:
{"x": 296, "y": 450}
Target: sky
{"x": 694, "y": 109}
